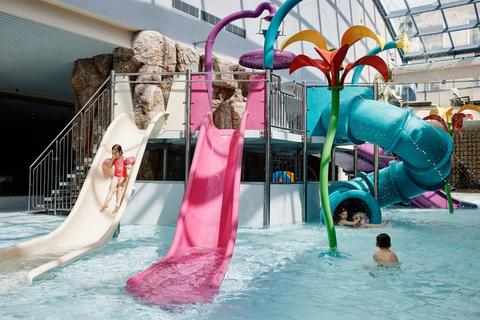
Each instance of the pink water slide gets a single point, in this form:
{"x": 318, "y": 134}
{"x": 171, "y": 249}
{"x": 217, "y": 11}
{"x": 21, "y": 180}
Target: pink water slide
{"x": 202, "y": 247}
{"x": 206, "y": 230}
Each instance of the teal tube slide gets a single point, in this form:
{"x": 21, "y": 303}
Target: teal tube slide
{"x": 425, "y": 150}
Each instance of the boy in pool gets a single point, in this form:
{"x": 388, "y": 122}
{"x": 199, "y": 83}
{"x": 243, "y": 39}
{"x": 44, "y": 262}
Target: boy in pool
{"x": 384, "y": 256}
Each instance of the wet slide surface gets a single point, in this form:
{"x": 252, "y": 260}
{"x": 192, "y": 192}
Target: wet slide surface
{"x": 86, "y": 228}
{"x": 205, "y": 234}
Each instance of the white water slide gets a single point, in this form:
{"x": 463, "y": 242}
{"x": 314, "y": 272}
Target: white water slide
{"x": 87, "y": 228}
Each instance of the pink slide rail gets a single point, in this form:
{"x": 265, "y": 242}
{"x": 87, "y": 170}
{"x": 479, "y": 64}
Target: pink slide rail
{"x": 206, "y": 230}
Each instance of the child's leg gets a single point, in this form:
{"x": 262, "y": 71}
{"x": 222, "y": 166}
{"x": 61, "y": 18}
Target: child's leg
{"x": 120, "y": 191}
{"x": 111, "y": 191}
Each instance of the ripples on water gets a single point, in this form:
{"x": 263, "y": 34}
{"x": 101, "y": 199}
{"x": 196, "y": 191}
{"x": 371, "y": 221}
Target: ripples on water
{"x": 279, "y": 273}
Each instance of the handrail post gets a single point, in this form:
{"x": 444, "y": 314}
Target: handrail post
{"x": 188, "y": 127}
{"x": 55, "y": 185}
{"x": 305, "y": 152}
{"x": 29, "y": 189}
{"x": 112, "y": 94}
{"x": 266, "y": 196}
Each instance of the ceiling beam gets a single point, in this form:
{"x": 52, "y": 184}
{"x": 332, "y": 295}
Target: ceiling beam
{"x": 69, "y": 18}
{"x": 29, "y": 97}
{"x": 454, "y": 69}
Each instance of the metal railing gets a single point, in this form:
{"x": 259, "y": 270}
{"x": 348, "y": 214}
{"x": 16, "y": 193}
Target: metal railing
{"x": 287, "y": 109}
{"x": 57, "y": 175}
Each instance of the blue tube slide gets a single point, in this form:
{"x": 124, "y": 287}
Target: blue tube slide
{"x": 425, "y": 150}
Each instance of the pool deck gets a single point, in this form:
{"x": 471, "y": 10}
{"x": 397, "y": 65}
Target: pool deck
{"x": 470, "y": 196}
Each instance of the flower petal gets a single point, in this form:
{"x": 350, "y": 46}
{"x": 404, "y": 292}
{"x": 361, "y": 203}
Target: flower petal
{"x": 355, "y": 33}
{"x": 301, "y": 61}
{"x": 327, "y": 56}
{"x": 442, "y": 112}
{"x": 457, "y": 120}
{"x": 373, "y": 61}
{"x": 306, "y": 35}
{"x": 469, "y": 107}
{"x": 339, "y": 56}
{"x": 437, "y": 118}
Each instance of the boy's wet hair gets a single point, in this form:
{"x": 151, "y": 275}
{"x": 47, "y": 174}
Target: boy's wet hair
{"x": 383, "y": 240}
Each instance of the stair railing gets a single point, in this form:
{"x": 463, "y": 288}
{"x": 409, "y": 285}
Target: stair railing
{"x": 57, "y": 175}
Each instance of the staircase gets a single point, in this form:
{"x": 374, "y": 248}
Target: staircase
{"x": 57, "y": 175}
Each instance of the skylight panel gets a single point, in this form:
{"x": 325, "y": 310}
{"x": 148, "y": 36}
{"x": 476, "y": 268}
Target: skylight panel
{"x": 403, "y": 24}
{"x": 394, "y": 6}
{"x": 429, "y": 21}
{"x": 416, "y": 4}
{"x": 466, "y": 37}
{"x": 460, "y": 16}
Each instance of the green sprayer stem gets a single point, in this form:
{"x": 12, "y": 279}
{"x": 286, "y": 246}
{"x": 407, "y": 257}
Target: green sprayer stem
{"x": 447, "y": 186}
{"x": 324, "y": 165}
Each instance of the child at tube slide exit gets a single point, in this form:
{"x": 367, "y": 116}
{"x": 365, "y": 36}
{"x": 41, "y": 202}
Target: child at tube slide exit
{"x": 120, "y": 177}
{"x": 384, "y": 255}
{"x": 357, "y": 222}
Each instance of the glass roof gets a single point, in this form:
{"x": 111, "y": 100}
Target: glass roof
{"x": 435, "y": 28}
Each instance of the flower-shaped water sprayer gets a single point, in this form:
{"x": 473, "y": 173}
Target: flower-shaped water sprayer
{"x": 450, "y": 121}
{"x": 331, "y": 66}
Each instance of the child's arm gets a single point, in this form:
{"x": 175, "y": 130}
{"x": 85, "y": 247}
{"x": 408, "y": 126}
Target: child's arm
{"x": 348, "y": 223}
{"x": 110, "y": 164}
{"x": 129, "y": 162}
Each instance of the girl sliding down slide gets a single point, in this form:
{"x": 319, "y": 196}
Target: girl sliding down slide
{"x": 120, "y": 178}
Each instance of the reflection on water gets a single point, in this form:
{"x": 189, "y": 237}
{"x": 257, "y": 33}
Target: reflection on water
{"x": 278, "y": 273}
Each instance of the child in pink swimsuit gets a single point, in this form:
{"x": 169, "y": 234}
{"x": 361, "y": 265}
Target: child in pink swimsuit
{"x": 120, "y": 170}
{"x": 119, "y": 180}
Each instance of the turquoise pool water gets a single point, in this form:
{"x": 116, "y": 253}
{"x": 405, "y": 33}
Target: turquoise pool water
{"x": 279, "y": 273}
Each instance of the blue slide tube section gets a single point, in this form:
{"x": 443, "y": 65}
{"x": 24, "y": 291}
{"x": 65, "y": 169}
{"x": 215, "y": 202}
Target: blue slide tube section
{"x": 425, "y": 150}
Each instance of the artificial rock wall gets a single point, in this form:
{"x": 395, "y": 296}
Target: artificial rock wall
{"x": 152, "y": 52}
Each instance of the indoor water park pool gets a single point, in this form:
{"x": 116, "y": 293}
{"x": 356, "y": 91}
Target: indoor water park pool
{"x": 277, "y": 273}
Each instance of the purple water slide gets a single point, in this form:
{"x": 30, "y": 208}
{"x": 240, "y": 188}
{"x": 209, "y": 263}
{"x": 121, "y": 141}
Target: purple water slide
{"x": 430, "y": 199}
